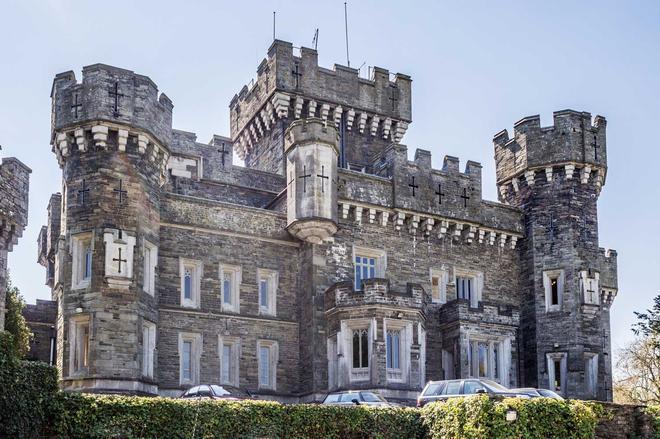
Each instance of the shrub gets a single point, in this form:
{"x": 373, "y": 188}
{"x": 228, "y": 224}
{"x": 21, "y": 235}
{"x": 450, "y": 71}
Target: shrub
{"x": 654, "y": 412}
{"x": 480, "y": 417}
{"x": 27, "y": 390}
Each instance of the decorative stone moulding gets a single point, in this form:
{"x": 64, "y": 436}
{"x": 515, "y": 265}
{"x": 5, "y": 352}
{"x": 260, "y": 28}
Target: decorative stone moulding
{"x": 529, "y": 177}
{"x": 313, "y": 231}
{"x": 413, "y": 222}
{"x": 282, "y": 105}
{"x": 75, "y": 139}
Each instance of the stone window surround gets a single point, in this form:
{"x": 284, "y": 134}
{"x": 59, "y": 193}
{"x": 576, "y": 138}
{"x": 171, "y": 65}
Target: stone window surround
{"x": 149, "y": 274}
{"x": 273, "y": 360}
{"x": 405, "y": 342}
{"x": 443, "y": 279}
{"x": 237, "y": 279}
{"x": 234, "y": 373}
{"x": 272, "y": 277}
{"x": 347, "y": 328}
{"x": 379, "y": 255}
{"x": 148, "y": 348}
{"x": 548, "y": 275}
{"x": 550, "y": 368}
{"x": 503, "y": 357}
{"x": 477, "y": 294}
{"x": 79, "y": 242}
{"x": 196, "y": 271}
{"x": 591, "y": 374}
{"x": 595, "y": 279}
{"x": 76, "y": 322}
{"x": 196, "y": 355}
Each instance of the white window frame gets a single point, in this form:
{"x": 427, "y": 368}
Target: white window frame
{"x": 404, "y": 327}
{"x": 477, "y": 284}
{"x": 234, "y": 369}
{"x": 548, "y": 276}
{"x": 78, "y": 346}
{"x": 80, "y": 242}
{"x": 380, "y": 257}
{"x": 148, "y": 348}
{"x": 195, "y": 267}
{"x": 590, "y": 283}
{"x": 271, "y": 277}
{"x": 359, "y": 374}
{"x": 591, "y": 374}
{"x": 442, "y": 276}
{"x": 272, "y": 363}
{"x": 550, "y": 365}
{"x": 149, "y": 267}
{"x": 234, "y": 271}
{"x": 498, "y": 353}
{"x": 195, "y": 356}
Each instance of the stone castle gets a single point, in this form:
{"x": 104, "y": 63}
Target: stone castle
{"x": 330, "y": 260}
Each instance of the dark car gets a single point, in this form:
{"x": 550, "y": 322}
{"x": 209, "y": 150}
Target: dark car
{"x": 442, "y": 390}
{"x": 538, "y": 393}
{"x": 214, "y": 391}
{"x": 357, "y": 397}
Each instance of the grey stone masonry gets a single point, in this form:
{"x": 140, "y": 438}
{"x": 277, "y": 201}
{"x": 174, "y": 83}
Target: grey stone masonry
{"x": 14, "y": 186}
{"x": 331, "y": 260}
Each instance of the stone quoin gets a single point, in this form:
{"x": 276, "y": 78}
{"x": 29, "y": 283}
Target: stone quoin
{"x": 330, "y": 260}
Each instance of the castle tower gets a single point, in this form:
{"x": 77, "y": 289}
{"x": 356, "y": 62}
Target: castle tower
{"x": 14, "y": 183}
{"x": 110, "y": 134}
{"x": 555, "y": 174}
{"x": 312, "y": 151}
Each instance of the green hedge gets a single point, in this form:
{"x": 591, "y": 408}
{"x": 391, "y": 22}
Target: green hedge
{"x": 83, "y": 416}
{"x": 27, "y": 390}
{"x": 480, "y": 417}
{"x": 654, "y": 412}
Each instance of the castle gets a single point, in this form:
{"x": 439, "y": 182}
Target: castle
{"x": 330, "y": 260}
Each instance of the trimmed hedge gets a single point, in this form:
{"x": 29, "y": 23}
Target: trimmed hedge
{"x": 27, "y": 390}
{"x": 86, "y": 416}
{"x": 479, "y": 417}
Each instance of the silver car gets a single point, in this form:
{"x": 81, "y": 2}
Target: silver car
{"x": 357, "y": 397}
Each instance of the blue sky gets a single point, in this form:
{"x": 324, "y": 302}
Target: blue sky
{"x": 477, "y": 67}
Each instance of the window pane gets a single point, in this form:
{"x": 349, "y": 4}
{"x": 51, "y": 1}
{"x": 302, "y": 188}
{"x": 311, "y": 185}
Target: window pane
{"x": 84, "y": 351}
{"x": 187, "y": 360}
{"x": 388, "y": 355}
{"x": 263, "y": 293}
{"x": 554, "y": 286}
{"x": 435, "y": 288}
{"x": 396, "y": 345}
{"x": 452, "y": 388}
{"x": 187, "y": 284}
{"x": 226, "y": 362}
{"x": 88, "y": 263}
{"x": 483, "y": 360}
{"x": 496, "y": 362}
{"x": 264, "y": 366}
{"x": 557, "y": 365}
{"x": 358, "y": 277}
{"x": 364, "y": 347}
{"x": 226, "y": 289}
{"x": 356, "y": 349}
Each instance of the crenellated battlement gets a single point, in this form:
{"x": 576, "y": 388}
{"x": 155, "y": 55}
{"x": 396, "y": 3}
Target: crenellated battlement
{"x": 289, "y": 86}
{"x": 375, "y": 291}
{"x": 14, "y": 184}
{"x": 572, "y": 139}
{"x": 114, "y": 95}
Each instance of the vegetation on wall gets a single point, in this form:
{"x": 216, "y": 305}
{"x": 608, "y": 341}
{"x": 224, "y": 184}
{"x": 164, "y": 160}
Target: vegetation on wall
{"x": 15, "y": 323}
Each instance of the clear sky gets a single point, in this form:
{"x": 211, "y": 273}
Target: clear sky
{"x": 477, "y": 67}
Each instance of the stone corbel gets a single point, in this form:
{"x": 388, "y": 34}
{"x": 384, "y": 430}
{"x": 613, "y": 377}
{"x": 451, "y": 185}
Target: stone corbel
{"x": 514, "y": 240}
{"x": 458, "y": 230}
{"x": 80, "y": 140}
{"x": 471, "y": 233}
{"x": 400, "y": 131}
{"x": 358, "y": 214}
{"x": 350, "y": 116}
{"x": 270, "y": 110}
{"x": 569, "y": 169}
{"x": 257, "y": 123}
{"x": 548, "y": 174}
{"x": 491, "y": 238}
{"x": 482, "y": 234}
{"x": 400, "y": 218}
{"x": 584, "y": 174}
{"x": 529, "y": 176}
{"x": 281, "y": 104}
{"x": 100, "y": 135}
{"x": 375, "y": 120}
{"x": 62, "y": 144}
{"x": 311, "y": 108}
{"x": 264, "y": 119}
{"x": 142, "y": 143}
{"x": 514, "y": 182}
{"x": 372, "y": 216}
{"x": 337, "y": 115}
{"x": 345, "y": 208}
{"x": 297, "y": 107}
{"x": 503, "y": 237}
{"x": 384, "y": 217}
{"x": 362, "y": 123}
{"x": 414, "y": 224}
{"x": 387, "y": 124}
{"x": 442, "y": 230}
{"x": 427, "y": 225}
{"x": 122, "y": 140}
{"x": 325, "y": 109}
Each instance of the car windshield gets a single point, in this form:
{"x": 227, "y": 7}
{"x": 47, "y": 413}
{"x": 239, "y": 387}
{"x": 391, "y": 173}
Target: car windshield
{"x": 496, "y": 387}
{"x": 433, "y": 389}
{"x": 548, "y": 393}
{"x": 334, "y": 397}
{"x": 219, "y": 390}
{"x": 372, "y": 397}
{"x": 349, "y": 397}
{"x": 192, "y": 391}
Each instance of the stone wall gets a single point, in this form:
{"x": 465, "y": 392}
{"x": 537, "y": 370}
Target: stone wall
{"x": 41, "y": 319}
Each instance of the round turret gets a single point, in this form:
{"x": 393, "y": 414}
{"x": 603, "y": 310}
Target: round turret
{"x": 312, "y": 150}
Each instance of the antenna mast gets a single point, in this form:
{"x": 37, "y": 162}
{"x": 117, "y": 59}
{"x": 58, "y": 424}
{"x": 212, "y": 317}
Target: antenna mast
{"x": 273, "y": 25}
{"x": 315, "y": 40}
{"x": 348, "y": 60}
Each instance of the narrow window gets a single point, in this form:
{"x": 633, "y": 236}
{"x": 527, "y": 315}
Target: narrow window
{"x": 263, "y": 293}
{"x": 264, "y": 366}
{"x": 482, "y": 350}
{"x": 360, "y": 349}
{"x": 88, "y": 262}
{"x": 148, "y": 347}
{"x": 464, "y": 287}
{"x": 226, "y": 363}
{"x": 496, "y": 362}
{"x": 554, "y": 291}
{"x": 393, "y": 348}
{"x": 187, "y": 360}
{"x": 227, "y": 288}
{"x": 365, "y": 268}
{"x": 435, "y": 289}
{"x": 149, "y": 269}
{"x": 187, "y": 284}
{"x": 557, "y": 382}
{"x": 81, "y": 346}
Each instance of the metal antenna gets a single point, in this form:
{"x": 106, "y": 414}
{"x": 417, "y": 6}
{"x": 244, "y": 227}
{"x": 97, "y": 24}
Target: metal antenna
{"x": 348, "y": 60}
{"x": 273, "y": 25}
{"x": 315, "y": 40}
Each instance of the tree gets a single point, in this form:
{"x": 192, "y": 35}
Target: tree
{"x": 15, "y": 323}
{"x": 638, "y": 376}
{"x": 649, "y": 321}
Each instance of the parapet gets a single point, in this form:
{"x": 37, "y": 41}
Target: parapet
{"x": 112, "y": 95}
{"x": 375, "y": 291}
{"x": 572, "y": 139}
{"x": 294, "y": 86}
{"x": 312, "y": 130}
{"x": 14, "y": 187}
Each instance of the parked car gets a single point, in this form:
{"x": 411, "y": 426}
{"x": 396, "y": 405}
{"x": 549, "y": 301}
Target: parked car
{"x": 442, "y": 390}
{"x": 357, "y": 397}
{"x": 538, "y": 393}
{"x": 214, "y": 391}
